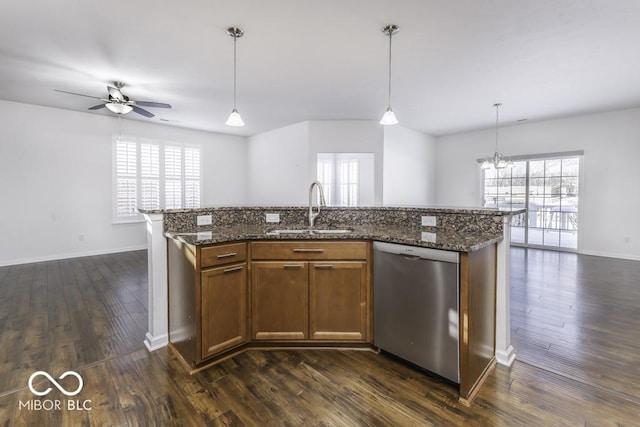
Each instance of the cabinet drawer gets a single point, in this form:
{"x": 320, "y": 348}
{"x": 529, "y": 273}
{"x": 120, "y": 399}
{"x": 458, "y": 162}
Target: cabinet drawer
{"x": 222, "y": 254}
{"x": 309, "y": 250}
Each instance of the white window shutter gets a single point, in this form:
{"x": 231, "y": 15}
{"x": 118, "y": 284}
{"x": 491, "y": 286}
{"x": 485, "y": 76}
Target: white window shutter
{"x": 126, "y": 166}
{"x": 154, "y": 175}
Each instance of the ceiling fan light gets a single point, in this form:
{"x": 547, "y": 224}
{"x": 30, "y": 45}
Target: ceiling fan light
{"x": 389, "y": 118}
{"x": 119, "y": 108}
{"x": 234, "y": 119}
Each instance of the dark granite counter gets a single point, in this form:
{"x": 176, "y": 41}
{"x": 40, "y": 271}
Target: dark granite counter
{"x": 454, "y": 229}
{"x": 431, "y": 237}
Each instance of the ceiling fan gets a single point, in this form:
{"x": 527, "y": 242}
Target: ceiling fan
{"x": 119, "y": 103}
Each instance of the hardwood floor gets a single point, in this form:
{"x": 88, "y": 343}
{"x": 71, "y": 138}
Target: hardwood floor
{"x": 575, "y": 323}
{"x": 579, "y": 316}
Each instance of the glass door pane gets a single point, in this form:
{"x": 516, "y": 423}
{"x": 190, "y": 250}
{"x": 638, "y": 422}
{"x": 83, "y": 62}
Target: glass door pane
{"x": 519, "y": 201}
{"x": 548, "y": 189}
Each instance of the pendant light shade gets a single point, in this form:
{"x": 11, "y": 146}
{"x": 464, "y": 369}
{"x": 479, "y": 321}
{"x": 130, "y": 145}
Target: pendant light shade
{"x": 389, "y": 117}
{"x": 497, "y": 161}
{"x": 234, "y": 118}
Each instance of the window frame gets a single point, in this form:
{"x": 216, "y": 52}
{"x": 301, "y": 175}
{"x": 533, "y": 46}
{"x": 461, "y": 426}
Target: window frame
{"x": 118, "y": 218}
{"x": 544, "y": 157}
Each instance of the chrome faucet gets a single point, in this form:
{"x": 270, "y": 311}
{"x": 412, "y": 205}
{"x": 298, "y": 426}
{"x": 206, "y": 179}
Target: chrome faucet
{"x": 313, "y": 215}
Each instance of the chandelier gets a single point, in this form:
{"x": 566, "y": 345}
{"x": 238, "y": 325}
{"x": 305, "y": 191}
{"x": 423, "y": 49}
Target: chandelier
{"x": 497, "y": 161}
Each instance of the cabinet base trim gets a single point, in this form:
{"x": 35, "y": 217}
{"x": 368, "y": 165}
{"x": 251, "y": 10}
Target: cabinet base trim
{"x": 466, "y": 400}
{"x": 348, "y": 336}
{"x": 234, "y": 342}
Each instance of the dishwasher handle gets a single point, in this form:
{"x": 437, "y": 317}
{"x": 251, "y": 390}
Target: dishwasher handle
{"x": 414, "y": 252}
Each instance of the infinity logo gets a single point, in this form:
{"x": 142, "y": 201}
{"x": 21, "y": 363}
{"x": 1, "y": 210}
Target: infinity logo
{"x": 55, "y": 383}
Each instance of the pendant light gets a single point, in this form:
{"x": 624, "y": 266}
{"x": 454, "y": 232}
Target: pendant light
{"x": 389, "y": 117}
{"x": 497, "y": 161}
{"x": 234, "y": 118}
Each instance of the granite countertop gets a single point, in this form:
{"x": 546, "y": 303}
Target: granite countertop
{"x": 435, "y": 237}
{"x": 434, "y": 209}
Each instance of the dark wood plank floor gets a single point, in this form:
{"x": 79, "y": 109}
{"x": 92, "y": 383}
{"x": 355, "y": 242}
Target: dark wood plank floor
{"x": 579, "y": 316}
{"x": 89, "y": 314}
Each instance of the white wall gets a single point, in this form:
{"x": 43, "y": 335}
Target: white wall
{"x": 277, "y": 166}
{"x": 347, "y": 136}
{"x": 409, "y": 167}
{"x": 55, "y": 180}
{"x": 282, "y": 162}
{"x": 404, "y": 161}
{"x": 609, "y": 195}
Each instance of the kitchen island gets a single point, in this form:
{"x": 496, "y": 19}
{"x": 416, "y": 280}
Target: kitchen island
{"x": 474, "y": 233}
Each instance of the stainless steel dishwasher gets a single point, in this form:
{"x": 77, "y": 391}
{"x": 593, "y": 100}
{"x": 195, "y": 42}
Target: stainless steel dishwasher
{"x": 416, "y": 306}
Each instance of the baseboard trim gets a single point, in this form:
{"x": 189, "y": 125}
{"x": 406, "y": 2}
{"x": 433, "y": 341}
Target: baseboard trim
{"x": 155, "y": 343}
{"x": 5, "y": 263}
{"x": 611, "y": 255}
{"x": 506, "y": 357}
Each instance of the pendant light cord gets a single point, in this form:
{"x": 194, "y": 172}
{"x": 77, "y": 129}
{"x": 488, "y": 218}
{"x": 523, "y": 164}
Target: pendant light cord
{"x": 390, "y": 36}
{"x": 497, "y": 108}
{"x": 234, "y": 68}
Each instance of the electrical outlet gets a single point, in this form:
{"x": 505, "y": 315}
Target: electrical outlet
{"x": 205, "y": 219}
{"x": 204, "y": 235}
{"x": 273, "y": 217}
{"x": 428, "y": 237}
{"x": 428, "y": 221}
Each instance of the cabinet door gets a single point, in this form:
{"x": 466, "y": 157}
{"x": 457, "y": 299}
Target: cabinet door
{"x": 338, "y": 300}
{"x": 224, "y": 308}
{"x": 280, "y": 300}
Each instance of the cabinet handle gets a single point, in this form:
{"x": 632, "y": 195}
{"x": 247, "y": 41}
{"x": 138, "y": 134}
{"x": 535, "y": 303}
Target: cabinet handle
{"x": 323, "y": 266}
{"x": 292, "y": 266}
{"x": 312, "y": 250}
{"x": 230, "y": 254}
{"x": 231, "y": 270}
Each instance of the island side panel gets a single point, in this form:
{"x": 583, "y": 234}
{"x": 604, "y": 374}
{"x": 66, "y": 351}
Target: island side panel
{"x": 183, "y": 300}
{"x": 477, "y": 318}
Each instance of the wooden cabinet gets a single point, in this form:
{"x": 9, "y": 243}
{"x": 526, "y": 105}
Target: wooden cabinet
{"x": 280, "y": 306}
{"x": 207, "y": 299}
{"x": 310, "y": 290}
{"x": 338, "y": 308}
{"x": 224, "y": 308}
{"x": 477, "y": 319}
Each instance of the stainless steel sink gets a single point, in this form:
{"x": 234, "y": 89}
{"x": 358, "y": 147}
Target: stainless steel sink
{"x": 308, "y": 231}
{"x": 291, "y": 231}
{"x": 332, "y": 231}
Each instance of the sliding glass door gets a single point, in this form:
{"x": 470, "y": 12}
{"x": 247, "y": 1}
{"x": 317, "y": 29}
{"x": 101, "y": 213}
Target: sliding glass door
{"x": 549, "y": 190}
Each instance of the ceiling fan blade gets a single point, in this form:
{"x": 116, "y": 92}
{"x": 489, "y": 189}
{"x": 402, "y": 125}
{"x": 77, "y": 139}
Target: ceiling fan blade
{"x": 97, "y": 107}
{"x": 73, "y": 93}
{"x": 141, "y": 111}
{"x": 153, "y": 104}
{"x": 115, "y": 93}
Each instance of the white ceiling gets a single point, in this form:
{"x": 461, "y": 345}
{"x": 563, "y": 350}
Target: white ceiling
{"x": 326, "y": 60}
